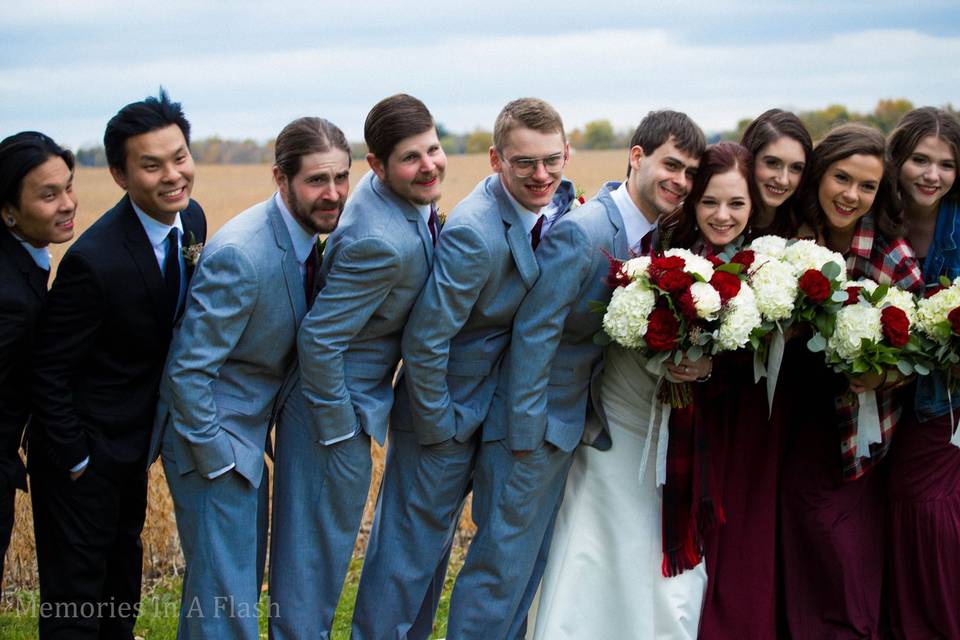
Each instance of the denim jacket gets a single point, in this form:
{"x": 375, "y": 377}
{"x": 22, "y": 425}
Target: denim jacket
{"x": 943, "y": 259}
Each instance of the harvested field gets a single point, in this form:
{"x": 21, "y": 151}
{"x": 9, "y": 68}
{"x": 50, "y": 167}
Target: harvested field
{"x": 225, "y": 190}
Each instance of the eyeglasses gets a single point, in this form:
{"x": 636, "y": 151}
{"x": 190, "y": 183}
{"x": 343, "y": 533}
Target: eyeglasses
{"x": 526, "y": 167}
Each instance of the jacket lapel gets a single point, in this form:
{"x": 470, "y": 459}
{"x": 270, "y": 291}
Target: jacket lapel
{"x": 621, "y": 248}
{"x": 34, "y": 275}
{"x": 141, "y": 252}
{"x": 411, "y": 213}
{"x": 517, "y": 238}
{"x": 291, "y": 268}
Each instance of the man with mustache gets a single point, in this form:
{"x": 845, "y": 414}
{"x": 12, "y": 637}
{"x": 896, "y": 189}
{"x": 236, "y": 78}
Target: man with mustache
{"x": 374, "y": 267}
{"x": 99, "y": 354}
{"x": 226, "y": 372}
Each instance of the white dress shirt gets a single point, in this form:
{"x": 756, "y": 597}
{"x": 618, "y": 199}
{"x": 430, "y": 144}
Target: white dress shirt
{"x": 635, "y": 223}
{"x": 40, "y": 255}
{"x": 527, "y": 218}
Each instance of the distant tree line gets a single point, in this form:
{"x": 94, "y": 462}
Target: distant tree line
{"x": 596, "y": 134}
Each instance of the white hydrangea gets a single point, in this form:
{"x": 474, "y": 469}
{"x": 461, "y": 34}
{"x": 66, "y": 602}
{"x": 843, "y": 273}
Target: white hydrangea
{"x": 706, "y": 300}
{"x": 693, "y": 263}
{"x": 636, "y": 267}
{"x": 933, "y": 310}
{"x": 738, "y": 320}
{"x": 772, "y": 246}
{"x": 855, "y": 323}
{"x": 807, "y": 254}
{"x": 774, "y": 284}
{"x": 628, "y": 314}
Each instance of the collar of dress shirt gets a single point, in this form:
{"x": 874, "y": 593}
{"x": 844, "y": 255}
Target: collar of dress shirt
{"x": 635, "y": 222}
{"x": 424, "y": 210}
{"x": 527, "y": 217}
{"x": 40, "y": 255}
{"x": 302, "y": 240}
{"x": 157, "y": 232}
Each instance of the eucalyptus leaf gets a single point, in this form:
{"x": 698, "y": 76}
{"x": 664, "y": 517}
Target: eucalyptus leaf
{"x": 830, "y": 270}
{"x": 817, "y": 343}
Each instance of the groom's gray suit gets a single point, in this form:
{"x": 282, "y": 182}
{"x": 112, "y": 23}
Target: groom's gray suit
{"x": 375, "y": 265}
{"x": 452, "y": 348}
{"x": 547, "y": 377}
{"x": 224, "y": 373}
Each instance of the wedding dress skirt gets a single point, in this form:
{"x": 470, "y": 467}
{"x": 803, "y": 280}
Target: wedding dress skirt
{"x": 603, "y": 578}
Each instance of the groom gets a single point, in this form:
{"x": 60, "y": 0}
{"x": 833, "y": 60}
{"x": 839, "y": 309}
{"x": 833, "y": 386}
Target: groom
{"x": 551, "y": 365}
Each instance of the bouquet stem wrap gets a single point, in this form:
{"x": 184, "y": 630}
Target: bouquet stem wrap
{"x": 868, "y": 423}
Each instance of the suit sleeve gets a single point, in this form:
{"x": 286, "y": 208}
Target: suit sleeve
{"x": 565, "y": 265}
{"x": 461, "y": 267}
{"x": 362, "y": 274}
{"x": 73, "y": 314}
{"x": 13, "y": 328}
{"x": 223, "y": 295}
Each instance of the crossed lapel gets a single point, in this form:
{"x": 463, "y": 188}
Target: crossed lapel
{"x": 517, "y": 237}
{"x": 141, "y": 252}
{"x": 291, "y": 267}
{"x": 621, "y": 247}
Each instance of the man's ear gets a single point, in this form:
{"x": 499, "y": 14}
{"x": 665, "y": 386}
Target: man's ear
{"x": 119, "y": 177}
{"x": 377, "y": 166}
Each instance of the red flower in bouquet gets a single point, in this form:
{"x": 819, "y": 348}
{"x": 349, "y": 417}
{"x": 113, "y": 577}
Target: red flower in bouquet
{"x": 933, "y": 290}
{"x": 726, "y": 284}
{"x": 667, "y": 263}
{"x": 686, "y": 306}
{"x": 616, "y": 276}
{"x": 815, "y": 286}
{"x": 662, "y": 332}
{"x": 715, "y": 261}
{"x": 954, "y": 318}
{"x": 895, "y": 326}
{"x": 745, "y": 257}
{"x": 673, "y": 281}
{"x": 853, "y": 293}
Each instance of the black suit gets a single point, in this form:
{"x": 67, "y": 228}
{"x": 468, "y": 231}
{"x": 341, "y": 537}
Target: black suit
{"x": 22, "y": 294}
{"x": 100, "y": 351}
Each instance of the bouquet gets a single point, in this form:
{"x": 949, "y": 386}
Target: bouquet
{"x": 938, "y": 321}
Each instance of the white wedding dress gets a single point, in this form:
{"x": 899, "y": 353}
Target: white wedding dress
{"x": 603, "y": 579}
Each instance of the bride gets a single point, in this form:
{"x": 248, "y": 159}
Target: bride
{"x": 604, "y": 578}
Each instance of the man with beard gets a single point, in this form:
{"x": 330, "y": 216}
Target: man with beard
{"x": 375, "y": 264}
{"x": 226, "y": 371}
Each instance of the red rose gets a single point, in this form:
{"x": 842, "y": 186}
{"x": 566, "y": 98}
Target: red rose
{"x": 853, "y": 293}
{"x": 715, "y": 261}
{"x": 615, "y": 276}
{"x": 895, "y": 326}
{"x": 814, "y": 285}
{"x": 745, "y": 257}
{"x": 954, "y": 318}
{"x": 662, "y": 330}
{"x": 726, "y": 284}
{"x": 673, "y": 281}
{"x": 933, "y": 290}
{"x": 666, "y": 263}
{"x": 687, "y": 308}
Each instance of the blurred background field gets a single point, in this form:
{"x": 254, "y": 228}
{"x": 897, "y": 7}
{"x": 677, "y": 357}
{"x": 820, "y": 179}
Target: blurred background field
{"x": 224, "y": 191}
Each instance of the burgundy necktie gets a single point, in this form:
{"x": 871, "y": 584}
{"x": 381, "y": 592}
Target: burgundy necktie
{"x": 645, "y": 246}
{"x": 434, "y": 223}
{"x": 310, "y": 275}
{"x": 535, "y": 232}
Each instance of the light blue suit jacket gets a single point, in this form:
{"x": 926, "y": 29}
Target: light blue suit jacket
{"x": 375, "y": 265}
{"x": 234, "y": 348}
{"x": 553, "y": 358}
{"x": 460, "y": 327}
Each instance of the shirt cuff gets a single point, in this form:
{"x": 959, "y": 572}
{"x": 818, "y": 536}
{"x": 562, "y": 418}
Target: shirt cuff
{"x": 346, "y": 436}
{"x": 80, "y": 466}
{"x": 219, "y": 472}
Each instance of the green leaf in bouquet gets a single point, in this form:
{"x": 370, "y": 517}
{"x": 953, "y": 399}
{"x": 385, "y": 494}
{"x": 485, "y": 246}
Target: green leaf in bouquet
{"x": 830, "y": 271}
{"x": 595, "y": 306}
{"x": 817, "y": 343}
{"x": 921, "y": 369}
{"x": 695, "y": 352}
{"x": 945, "y": 281}
{"x": 877, "y": 295}
{"x": 839, "y": 295}
{"x": 825, "y": 323}
{"x": 730, "y": 267}
{"x": 677, "y": 357}
{"x": 905, "y": 367}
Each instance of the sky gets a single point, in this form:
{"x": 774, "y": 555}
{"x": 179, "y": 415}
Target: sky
{"x": 243, "y": 69}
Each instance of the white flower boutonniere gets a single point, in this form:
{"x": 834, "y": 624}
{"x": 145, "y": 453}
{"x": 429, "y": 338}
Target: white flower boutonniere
{"x": 191, "y": 252}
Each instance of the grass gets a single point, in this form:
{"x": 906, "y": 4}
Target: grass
{"x": 160, "y": 608}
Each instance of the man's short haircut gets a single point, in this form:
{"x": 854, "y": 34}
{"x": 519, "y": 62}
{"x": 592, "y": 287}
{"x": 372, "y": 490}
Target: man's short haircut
{"x": 20, "y": 154}
{"x": 531, "y": 113}
{"x": 659, "y": 126}
{"x": 392, "y": 120}
{"x": 304, "y": 136}
{"x": 141, "y": 117}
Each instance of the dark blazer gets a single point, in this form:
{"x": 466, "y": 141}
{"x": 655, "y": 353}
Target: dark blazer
{"x": 23, "y": 290}
{"x": 102, "y": 343}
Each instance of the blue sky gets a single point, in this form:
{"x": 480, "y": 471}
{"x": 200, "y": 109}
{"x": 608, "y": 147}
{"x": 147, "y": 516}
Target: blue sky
{"x": 244, "y": 69}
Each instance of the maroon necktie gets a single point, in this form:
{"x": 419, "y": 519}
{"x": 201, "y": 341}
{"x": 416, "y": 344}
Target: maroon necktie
{"x": 645, "y": 246}
{"x": 310, "y": 275}
{"x": 434, "y": 223}
{"x": 535, "y": 232}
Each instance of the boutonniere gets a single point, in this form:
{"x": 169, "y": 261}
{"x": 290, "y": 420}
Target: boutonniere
{"x": 441, "y": 218}
{"x": 579, "y": 198}
{"x": 191, "y": 252}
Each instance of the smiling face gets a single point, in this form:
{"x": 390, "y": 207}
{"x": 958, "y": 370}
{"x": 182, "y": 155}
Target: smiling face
{"x": 158, "y": 173}
{"x": 315, "y": 196}
{"x": 778, "y": 168}
{"x": 928, "y": 173}
{"x": 415, "y": 169}
{"x": 848, "y": 188}
{"x": 522, "y": 145}
{"x": 47, "y": 205}
{"x": 724, "y": 209}
{"x": 659, "y": 181}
